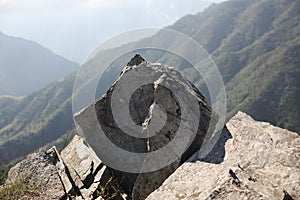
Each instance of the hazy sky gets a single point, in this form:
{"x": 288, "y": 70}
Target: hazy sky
{"x": 73, "y": 28}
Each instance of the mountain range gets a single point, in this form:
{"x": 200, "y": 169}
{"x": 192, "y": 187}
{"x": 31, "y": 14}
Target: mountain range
{"x": 26, "y": 66}
{"x": 255, "y": 44}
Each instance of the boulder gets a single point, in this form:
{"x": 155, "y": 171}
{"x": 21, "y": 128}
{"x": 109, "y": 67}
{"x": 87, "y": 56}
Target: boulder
{"x": 41, "y": 169}
{"x": 75, "y": 173}
{"x": 147, "y": 98}
{"x": 261, "y": 162}
{"x": 84, "y": 167}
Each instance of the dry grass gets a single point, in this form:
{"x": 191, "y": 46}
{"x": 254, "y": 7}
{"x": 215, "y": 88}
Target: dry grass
{"x": 19, "y": 189}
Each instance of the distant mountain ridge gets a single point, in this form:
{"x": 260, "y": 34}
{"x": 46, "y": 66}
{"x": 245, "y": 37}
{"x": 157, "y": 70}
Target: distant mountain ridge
{"x": 26, "y": 66}
{"x": 255, "y": 44}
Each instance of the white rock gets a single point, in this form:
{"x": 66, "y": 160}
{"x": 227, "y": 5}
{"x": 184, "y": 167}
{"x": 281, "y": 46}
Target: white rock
{"x": 261, "y": 162}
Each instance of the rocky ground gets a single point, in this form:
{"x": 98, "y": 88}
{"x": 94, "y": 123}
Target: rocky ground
{"x": 261, "y": 162}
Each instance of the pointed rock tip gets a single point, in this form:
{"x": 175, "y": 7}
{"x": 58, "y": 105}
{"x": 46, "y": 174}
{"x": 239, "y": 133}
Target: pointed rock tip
{"x": 136, "y": 60}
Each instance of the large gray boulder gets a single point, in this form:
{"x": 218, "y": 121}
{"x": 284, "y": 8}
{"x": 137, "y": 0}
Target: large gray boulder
{"x": 159, "y": 100}
{"x": 261, "y": 162}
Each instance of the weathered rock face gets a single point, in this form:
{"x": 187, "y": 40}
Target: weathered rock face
{"x": 261, "y": 162}
{"x": 84, "y": 167}
{"x": 161, "y": 101}
{"x": 42, "y": 169}
{"x": 75, "y": 173}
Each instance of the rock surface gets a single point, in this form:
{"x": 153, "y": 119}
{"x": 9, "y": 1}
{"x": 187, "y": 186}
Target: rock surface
{"x": 261, "y": 162}
{"x": 163, "y": 101}
{"x": 75, "y": 173}
{"x": 84, "y": 167}
{"x": 41, "y": 169}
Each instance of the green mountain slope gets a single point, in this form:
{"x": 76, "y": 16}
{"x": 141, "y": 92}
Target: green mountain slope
{"x": 255, "y": 44}
{"x": 35, "y": 120}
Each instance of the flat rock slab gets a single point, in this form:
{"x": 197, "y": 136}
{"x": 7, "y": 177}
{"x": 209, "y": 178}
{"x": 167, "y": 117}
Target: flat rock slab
{"x": 261, "y": 162}
{"x": 84, "y": 167}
